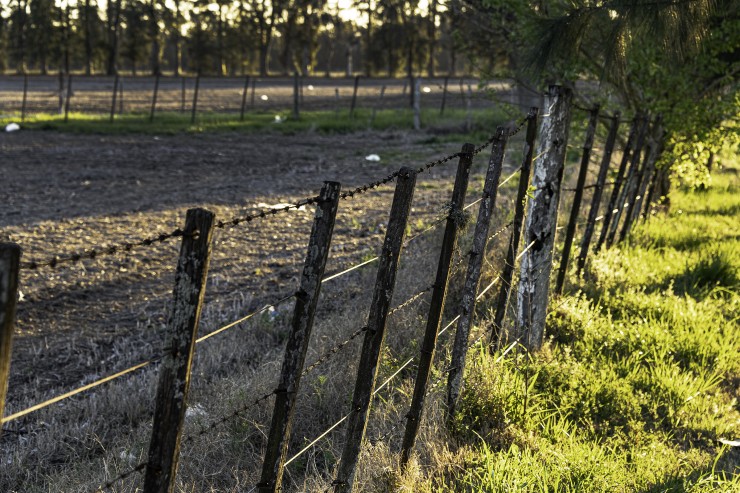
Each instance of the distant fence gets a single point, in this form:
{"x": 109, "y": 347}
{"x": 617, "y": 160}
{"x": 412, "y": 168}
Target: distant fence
{"x": 532, "y": 234}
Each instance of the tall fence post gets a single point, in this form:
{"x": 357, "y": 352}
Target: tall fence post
{"x": 452, "y": 228}
{"x": 353, "y": 105}
{"x": 467, "y": 305}
{"x": 25, "y": 97}
{"x": 618, "y": 180}
{"x": 179, "y": 344}
{"x": 244, "y": 99}
{"x": 542, "y": 217}
{"x": 629, "y": 181}
{"x": 195, "y": 99}
{"x": 375, "y": 333}
{"x": 444, "y": 96}
{"x": 577, "y": 197}
{"x": 593, "y": 212}
{"x": 155, "y": 92}
{"x": 113, "y": 99}
{"x": 417, "y": 103}
{"x": 68, "y": 98}
{"x": 507, "y": 275}
{"x": 296, "y": 97}
{"x": 299, "y": 338}
{"x": 10, "y": 255}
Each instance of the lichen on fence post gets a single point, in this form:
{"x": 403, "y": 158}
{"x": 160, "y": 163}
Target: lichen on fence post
{"x": 375, "y": 333}
{"x": 10, "y": 255}
{"x": 299, "y": 338}
{"x": 179, "y": 347}
{"x": 467, "y": 304}
{"x": 542, "y": 216}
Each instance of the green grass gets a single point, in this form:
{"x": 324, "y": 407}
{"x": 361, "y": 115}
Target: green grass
{"x": 448, "y": 127}
{"x": 639, "y": 378}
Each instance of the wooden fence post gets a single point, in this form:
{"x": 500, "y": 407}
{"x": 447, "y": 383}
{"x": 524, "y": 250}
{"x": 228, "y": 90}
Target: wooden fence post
{"x": 67, "y": 100}
{"x": 61, "y": 92}
{"x": 651, "y": 193}
{"x": 447, "y": 251}
{"x": 417, "y": 103}
{"x": 444, "y": 96}
{"x": 299, "y": 338}
{"x": 619, "y": 179}
{"x": 113, "y": 99}
{"x": 611, "y": 138}
{"x": 296, "y": 97}
{"x": 10, "y": 255}
{"x": 469, "y": 110}
{"x": 378, "y": 105}
{"x": 25, "y": 97}
{"x": 244, "y": 99}
{"x": 627, "y": 191}
{"x": 179, "y": 344}
{"x": 254, "y": 89}
{"x": 183, "y": 83}
{"x": 507, "y": 275}
{"x": 542, "y": 217}
{"x": 577, "y": 197}
{"x": 375, "y": 333}
{"x": 120, "y": 96}
{"x": 467, "y": 305}
{"x": 155, "y": 92}
{"x": 195, "y": 99}
{"x": 354, "y": 97}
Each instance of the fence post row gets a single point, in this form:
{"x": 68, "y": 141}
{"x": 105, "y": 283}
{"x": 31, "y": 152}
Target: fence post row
{"x": 577, "y": 197}
{"x": 654, "y": 151}
{"x": 195, "y": 99}
{"x": 619, "y": 179}
{"x": 467, "y": 305}
{"x": 155, "y": 92}
{"x": 629, "y": 181}
{"x": 10, "y": 256}
{"x": 375, "y": 333}
{"x": 507, "y": 275}
{"x": 300, "y": 335}
{"x": 179, "y": 346}
{"x": 596, "y": 199}
{"x": 542, "y": 216}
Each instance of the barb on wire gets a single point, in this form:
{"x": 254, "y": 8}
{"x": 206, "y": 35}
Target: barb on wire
{"x": 110, "y": 483}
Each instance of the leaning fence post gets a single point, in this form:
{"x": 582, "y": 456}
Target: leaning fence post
{"x": 113, "y": 99}
{"x": 300, "y": 335}
{"x": 417, "y": 103}
{"x": 155, "y": 92}
{"x": 610, "y": 209}
{"x": 375, "y": 333}
{"x": 577, "y": 197}
{"x": 651, "y": 193}
{"x": 10, "y": 255}
{"x": 627, "y": 191}
{"x": 195, "y": 99}
{"x": 179, "y": 344}
{"x": 244, "y": 98}
{"x": 596, "y": 199}
{"x": 467, "y": 306}
{"x": 25, "y": 97}
{"x": 69, "y": 96}
{"x": 542, "y": 217}
{"x": 354, "y": 97}
{"x": 437, "y": 301}
{"x": 507, "y": 275}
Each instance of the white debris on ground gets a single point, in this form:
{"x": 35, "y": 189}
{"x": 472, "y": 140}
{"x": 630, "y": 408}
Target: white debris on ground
{"x": 12, "y": 127}
{"x": 127, "y": 456}
{"x": 195, "y": 411}
{"x": 427, "y": 89}
{"x": 310, "y": 87}
{"x": 278, "y": 119}
{"x": 372, "y": 157}
{"x": 264, "y": 97}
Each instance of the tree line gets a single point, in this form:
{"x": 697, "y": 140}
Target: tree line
{"x": 233, "y": 37}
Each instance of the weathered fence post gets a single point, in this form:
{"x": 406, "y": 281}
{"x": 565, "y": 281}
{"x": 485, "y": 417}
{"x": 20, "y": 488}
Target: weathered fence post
{"x": 651, "y": 193}
{"x": 353, "y": 105}
{"x": 467, "y": 305}
{"x": 25, "y": 97}
{"x": 179, "y": 344}
{"x": 244, "y": 99}
{"x": 68, "y": 98}
{"x": 469, "y": 110}
{"x": 113, "y": 99}
{"x": 120, "y": 96}
{"x": 629, "y": 184}
{"x": 155, "y": 92}
{"x": 299, "y": 338}
{"x": 378, "y": 105}
{"x": 254, "y": 89}
{"x": 606, "y": 159}
{"x": 195, "y": 99}
{"x": 375, "y": 333}
{"x": 61, "y": 92}
{"x": 444, "y": 96}
{"x": 417, "y": 103}
{"x": 542, "y": 217}
{"x": 183, "y": 83}
{"x": 296, "y": 97}
{"x": 10, "y": 255}
{"x": 452, "y": 228}
{"x": 618, "y": 180}
{"x": 577, "y": 197}
{"x": 507, "y": 275}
